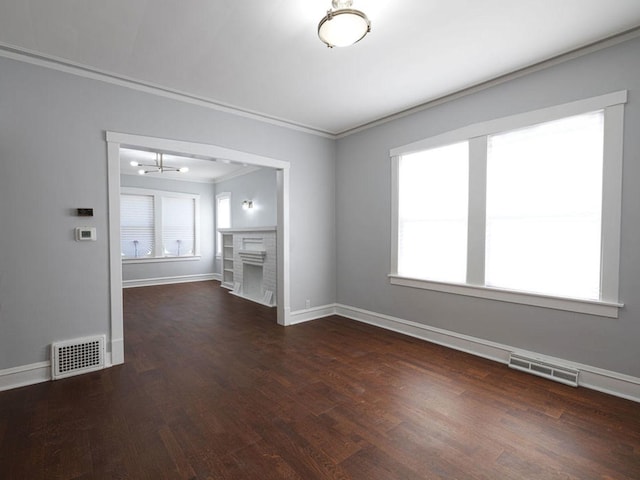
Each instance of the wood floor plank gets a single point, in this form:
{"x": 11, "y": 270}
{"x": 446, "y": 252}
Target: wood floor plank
{"x": 213, "y": 388}
{"x": 261, "y": 460}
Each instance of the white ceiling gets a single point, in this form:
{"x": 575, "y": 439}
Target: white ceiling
{"x": 200, "y": 169}
{"x": 264, "y": 56}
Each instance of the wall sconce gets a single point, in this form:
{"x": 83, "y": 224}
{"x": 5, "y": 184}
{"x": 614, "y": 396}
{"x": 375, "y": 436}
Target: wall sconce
{"x": 247, "y": 204}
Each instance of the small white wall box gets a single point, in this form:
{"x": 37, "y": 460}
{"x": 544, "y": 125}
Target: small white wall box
{"x": 85, "y": 233}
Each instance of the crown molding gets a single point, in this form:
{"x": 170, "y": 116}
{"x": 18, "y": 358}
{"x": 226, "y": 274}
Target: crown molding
{"x": 63, "y": 65}
{"x": 74, "y": 68}
{"x": 454, "y": 95}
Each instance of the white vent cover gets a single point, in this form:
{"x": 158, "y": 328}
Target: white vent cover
{"x": 74, "y": 357}
{"x": 559, "y": 373}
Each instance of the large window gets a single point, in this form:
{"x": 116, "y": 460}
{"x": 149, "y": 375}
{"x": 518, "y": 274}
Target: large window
{"x": 433, "y": 203}
{"x": 523, "y": 209}
{"x": 158, "y": 225}
{"x": 544, "y": 205}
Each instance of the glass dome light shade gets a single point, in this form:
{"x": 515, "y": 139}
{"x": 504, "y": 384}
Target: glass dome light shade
{"x": 341, "y": 28}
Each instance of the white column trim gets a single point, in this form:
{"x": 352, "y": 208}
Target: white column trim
{"x": 114, "y": 141}
{"x": 283, "y": 248}
{"x": 612, "y": 201}
{"x": 115, "y": 340}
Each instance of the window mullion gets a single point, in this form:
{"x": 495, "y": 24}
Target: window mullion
{"x": 476, "y": 227}
{"x": 157, "y": 226}
{"x": 196, "y": 226}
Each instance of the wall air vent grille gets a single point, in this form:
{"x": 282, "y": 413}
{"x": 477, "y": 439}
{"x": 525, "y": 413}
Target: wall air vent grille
{"x": 558, "y": 373}
{"x": 74, "y": 357}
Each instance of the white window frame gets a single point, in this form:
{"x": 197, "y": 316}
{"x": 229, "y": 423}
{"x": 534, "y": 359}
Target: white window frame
{"x": 608, "y": 304}
{"x": 158, "y": 195}
{"x": 220, "y": 196}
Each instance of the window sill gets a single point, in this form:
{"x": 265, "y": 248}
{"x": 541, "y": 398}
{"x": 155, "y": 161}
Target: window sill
{"x": 591, "y": 307}
{"x": 191, "y": 258}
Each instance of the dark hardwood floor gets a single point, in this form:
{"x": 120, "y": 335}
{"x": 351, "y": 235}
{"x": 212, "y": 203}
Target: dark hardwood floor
{"x": 212, "y": 388}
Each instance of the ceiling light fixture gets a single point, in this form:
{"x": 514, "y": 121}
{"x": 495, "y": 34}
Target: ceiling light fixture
{"x": 343, "y": 26}
{"x": 158, "y": 167}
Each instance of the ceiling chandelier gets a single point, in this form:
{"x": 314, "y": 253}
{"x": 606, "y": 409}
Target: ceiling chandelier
{"x": 157, "y": 167}
{"x": 343, "y": 26}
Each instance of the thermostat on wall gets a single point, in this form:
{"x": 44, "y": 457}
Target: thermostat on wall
{"x": 85, "y": 233}
{"x": 84, "y": 212}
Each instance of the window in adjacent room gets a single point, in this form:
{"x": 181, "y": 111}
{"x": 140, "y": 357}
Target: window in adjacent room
{"x": 223, "y": 218}
{"x": 137, "y": 231}
{"x": 178, "y": 226}
{"x": 158, "y": 225}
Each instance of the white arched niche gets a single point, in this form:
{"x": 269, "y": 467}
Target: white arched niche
{"x": 114, "y": 142}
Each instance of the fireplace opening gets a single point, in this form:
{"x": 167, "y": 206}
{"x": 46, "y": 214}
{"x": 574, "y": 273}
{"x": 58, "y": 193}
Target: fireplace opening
{"x": 252, "y": 281}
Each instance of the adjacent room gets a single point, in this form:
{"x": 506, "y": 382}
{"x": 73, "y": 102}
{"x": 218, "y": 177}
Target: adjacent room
{"x": 353, "y": 239}
{"x": 179, "y": 216}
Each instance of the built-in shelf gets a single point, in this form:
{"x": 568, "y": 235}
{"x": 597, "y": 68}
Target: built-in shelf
{"x": 227, "y": 258}
{"x": 249, "y": 263}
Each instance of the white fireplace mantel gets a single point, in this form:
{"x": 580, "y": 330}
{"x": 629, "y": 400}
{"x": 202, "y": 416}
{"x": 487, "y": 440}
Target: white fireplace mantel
{"x": 253, "y": 263}
{"x": 253, "y": 256}
{"x": 247, "y": 229}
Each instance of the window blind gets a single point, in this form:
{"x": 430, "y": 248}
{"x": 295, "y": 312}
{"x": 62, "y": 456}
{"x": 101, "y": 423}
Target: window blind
{"x": 136, "y": 226}
{"x": 178, "y": 226}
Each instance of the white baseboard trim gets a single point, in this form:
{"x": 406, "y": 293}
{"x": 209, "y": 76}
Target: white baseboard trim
{"x": 606, "y": 381}
{"x": 613, "y": 383}
{"x": 308, "y": 314}
{"x": 149, "y": 282}
{"x": 217, "y": 276}
{"x": 25, "y": 375}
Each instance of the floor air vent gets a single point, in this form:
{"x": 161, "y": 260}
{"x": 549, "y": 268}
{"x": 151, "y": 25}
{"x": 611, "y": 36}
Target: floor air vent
{"x": 568, "y": 376}
{"x": 74, "y": 357}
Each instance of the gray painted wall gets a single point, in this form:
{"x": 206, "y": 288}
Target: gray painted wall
{"x": 53, "y": 159}
{"x": 262, "y": 189}
{"x": 259, "y": 187}
{"x": 205, "y": 265}
{"x": 364, "y": 219}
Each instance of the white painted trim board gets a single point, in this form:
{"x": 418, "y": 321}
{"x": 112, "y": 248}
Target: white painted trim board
{"x": 594, "y": 378}
{"x": 606, "y": 381}
{"x": 148, "y": 282}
